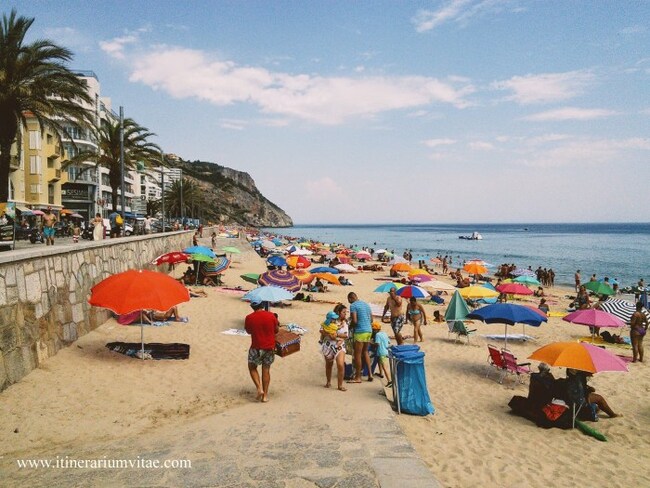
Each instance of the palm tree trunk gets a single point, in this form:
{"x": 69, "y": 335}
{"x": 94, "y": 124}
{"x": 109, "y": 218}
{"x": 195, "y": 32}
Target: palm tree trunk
{"x": 5, "y": 162}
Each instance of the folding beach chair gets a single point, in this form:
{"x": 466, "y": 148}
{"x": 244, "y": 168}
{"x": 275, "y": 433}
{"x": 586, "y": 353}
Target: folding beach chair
{"x": 514, "y": 368}
{"x": 496, "y": 360}
{"x": 458, "y": 327}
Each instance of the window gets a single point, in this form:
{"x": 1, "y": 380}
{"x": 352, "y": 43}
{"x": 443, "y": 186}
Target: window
{"x": 71, "y": 150}
{"x": 36, "y": 189}
{"x": 34, "y": 139}
{"x": 49, "y": 139}
{"x": 35, "y": 165}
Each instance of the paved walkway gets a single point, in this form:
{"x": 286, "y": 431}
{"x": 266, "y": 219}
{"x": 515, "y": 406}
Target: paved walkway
{"x": 341, "y": 440}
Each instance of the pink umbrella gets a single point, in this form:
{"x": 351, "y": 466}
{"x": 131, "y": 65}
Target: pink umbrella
{"x": 363, "y": 255}
{"x": 593, "y": 318}
{"x": 514, "y": 289}
{"x": 37, "y": 212}
{"x": 421, "y": 278}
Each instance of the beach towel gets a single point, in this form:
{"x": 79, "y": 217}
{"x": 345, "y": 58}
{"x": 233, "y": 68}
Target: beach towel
{"x": 296, "y": 329}
{"x": 511, "y": 337}
{"x": 152, "y": 350}
{"x": 598, "y": 341}
{"x": 129, "y": 318}
{"x": 236, "y": 332}
{"x": 230, "y": 291}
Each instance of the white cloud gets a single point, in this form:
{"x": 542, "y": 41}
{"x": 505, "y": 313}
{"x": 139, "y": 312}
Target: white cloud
{"x": 633, "y": 29}
{"x": 426, "y": 20}
{"x": 188, "y": 73}
{"x": 584, "y": 152}
{"x": 461, "y": 12}
{"x": 115, "y": 47}
{"x": 232, "y": 124}
{"x": 324, "y": 188}
{"x": 481, "y": 146}
{"x": 546, "y": 138}
{"x": 439, "y": 142}
{"x": 571, "y": 113}
{"x": 545, "y": 87}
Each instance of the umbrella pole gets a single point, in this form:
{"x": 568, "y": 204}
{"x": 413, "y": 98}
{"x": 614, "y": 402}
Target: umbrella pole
{"x": 142, "y": 335}
{"x": 506, "y": 337}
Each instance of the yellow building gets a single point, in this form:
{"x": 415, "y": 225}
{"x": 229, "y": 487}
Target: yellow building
{"x": 36, "y": 177}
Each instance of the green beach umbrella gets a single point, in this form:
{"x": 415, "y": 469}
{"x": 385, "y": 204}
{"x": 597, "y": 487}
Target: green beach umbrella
{"x": 250, "y": 277}
{"x": 599, "y": 288}
{"x": 231, "y": 249}
{"x": 201, "y": 257}
{"x": 457, "y": 309}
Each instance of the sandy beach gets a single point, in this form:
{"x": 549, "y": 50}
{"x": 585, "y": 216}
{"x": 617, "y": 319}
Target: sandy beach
{"x": 88, "y": 399}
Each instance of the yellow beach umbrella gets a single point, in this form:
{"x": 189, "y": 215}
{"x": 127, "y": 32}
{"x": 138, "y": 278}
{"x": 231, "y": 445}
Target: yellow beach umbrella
{"x": 418, "y": 271}
{"x": 475, "y": 292}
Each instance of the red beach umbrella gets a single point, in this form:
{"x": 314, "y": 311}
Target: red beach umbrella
{"x": 171, "y": 258}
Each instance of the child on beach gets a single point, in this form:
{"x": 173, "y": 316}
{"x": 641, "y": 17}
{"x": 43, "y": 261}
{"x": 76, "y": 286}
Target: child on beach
{"x": 214, "y": 240}
{"x": 330, "y": 327}
{"x": 380, "y": 339}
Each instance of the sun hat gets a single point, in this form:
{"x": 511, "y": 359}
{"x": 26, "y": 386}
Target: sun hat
{"x": 330, "y": 317}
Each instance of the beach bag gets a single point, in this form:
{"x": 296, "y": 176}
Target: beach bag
{"x": 119, "y": 220}
{"x": 349, "y": 372}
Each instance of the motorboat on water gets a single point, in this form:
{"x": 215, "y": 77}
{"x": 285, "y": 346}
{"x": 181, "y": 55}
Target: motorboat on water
{"x": 474, "y": 237}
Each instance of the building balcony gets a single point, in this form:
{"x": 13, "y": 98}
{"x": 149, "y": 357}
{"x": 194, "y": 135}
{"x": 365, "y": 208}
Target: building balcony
{"x": 53, "y": 174}
{"x": 14, "y": 163}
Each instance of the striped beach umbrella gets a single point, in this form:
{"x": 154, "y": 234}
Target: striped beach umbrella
{"x": 282, "y": 278}
{"x": 298, "y": 262}
{"x": 621, "y": 309}
{"x": 412, "y": 291}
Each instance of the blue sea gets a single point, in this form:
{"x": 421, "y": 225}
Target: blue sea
{"x": 618, "y": 251}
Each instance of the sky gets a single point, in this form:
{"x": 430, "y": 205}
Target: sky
{"x": 453, "y": 111}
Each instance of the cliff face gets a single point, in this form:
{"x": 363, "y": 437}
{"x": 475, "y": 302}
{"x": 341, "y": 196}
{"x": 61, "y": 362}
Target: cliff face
{"x": 232, "y": 197}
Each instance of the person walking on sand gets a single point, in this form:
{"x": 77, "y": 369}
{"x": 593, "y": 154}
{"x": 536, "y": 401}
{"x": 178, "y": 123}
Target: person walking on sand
{"x": 576, "y": 277}
{"x": 361, "y": 321}
{"x": 262, "y": 326}
{"x": 638, "y": 329}
{"x": 394, "y": 304}
{"x": 49, "y": 219}
{"x": 416, "y": 314}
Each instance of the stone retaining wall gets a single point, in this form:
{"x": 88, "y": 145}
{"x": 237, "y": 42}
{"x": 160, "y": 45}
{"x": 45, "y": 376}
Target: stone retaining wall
{"x": 44, "y": 294}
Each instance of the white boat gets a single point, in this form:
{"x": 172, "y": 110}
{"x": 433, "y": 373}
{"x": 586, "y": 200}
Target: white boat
{"x": 474, "y": 237}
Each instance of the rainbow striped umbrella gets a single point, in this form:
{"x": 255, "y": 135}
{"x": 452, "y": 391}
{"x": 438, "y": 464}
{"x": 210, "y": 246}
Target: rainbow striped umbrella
{"x": 282, "y": 278}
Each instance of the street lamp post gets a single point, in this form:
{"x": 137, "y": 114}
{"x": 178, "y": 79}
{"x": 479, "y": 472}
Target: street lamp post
{"x": 182, "y": 220}
{"x": 123, "y": 189}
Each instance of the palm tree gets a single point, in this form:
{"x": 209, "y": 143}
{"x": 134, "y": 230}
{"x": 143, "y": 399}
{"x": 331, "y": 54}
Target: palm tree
{"x": 191, "y": 196}
{"x": 34, "y": 81}
{"x": 137, "y": 149}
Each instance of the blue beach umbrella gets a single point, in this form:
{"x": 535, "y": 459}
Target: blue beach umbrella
{"x": 200, "y": 250}
{"x": 268, "y": 294}
{"x": 526, "y": 280}
{"x": 277, "y": 261}
{"x": 325, "y": 269}
{"x": 386, "y": 287}
{"x": 508, "y": 314}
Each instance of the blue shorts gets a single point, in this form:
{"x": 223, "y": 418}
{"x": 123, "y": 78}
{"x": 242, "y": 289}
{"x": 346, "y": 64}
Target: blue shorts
{"x": 48, "y": 232}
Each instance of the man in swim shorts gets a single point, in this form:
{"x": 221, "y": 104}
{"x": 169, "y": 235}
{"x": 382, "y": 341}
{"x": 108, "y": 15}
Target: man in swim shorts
{"x": 397, "y": 319}
{"x": 262, "y": 326}
{"x": 49, "y": 219}
{"x": 361, "y": 321}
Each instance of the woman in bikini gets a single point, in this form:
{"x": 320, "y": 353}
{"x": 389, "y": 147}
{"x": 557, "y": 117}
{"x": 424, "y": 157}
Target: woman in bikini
{"x": 638, "y": 328}
{"x": 416, "y": 315}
